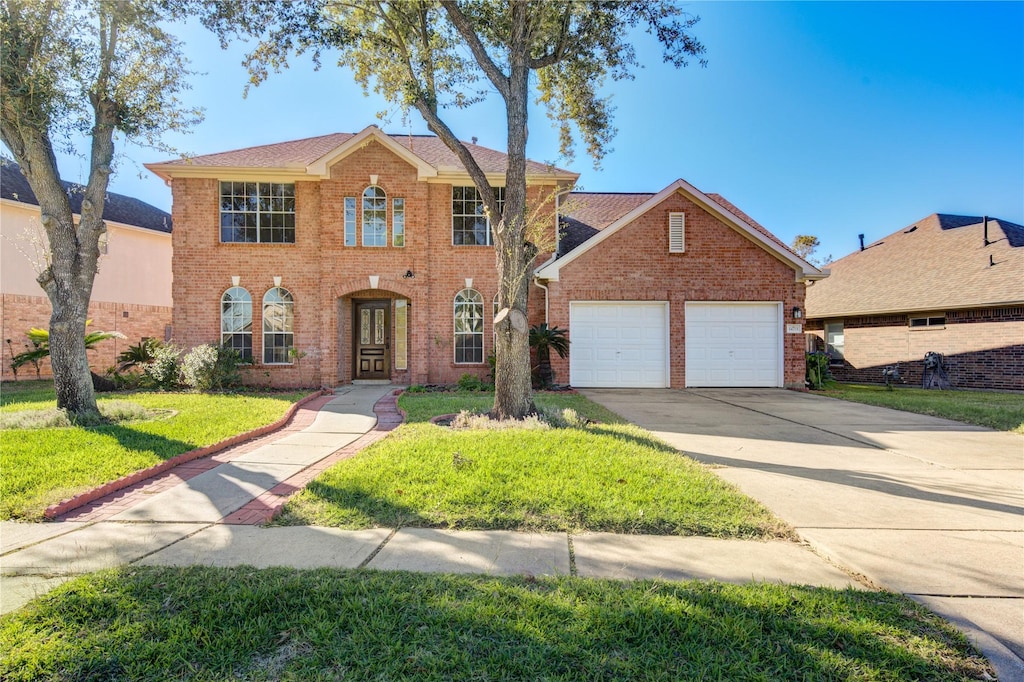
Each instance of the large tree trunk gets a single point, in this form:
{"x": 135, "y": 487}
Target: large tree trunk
{"x": 513, "y": 392}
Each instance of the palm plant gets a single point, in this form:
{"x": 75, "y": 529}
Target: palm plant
{"x": 40, "y": 339}
{"x": 137, "y": 355}
{"x": 546, "y": 339}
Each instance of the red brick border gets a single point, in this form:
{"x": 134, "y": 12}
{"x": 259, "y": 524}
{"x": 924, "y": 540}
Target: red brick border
{"x": 157, "y": 469}
{"x": 264, "y": 508}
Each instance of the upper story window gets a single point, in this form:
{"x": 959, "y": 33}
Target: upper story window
{"x": 470, "y": 225}
{"x": 257, "y": 212}
{"x": 375, "y": 216}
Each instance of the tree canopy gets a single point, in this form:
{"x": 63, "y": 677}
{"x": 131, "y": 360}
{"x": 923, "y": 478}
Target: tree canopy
{"x": 95, "y": 68}
{"x": 434, "y": 55}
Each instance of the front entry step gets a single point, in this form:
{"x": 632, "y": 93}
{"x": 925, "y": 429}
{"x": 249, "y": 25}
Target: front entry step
{"x": 371, "y": 382}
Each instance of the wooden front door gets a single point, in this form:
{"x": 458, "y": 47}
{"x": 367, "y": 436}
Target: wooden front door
{"x": 372, "y": 343}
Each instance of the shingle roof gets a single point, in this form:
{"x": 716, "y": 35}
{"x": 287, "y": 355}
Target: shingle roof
{"x": 301, "y": 153}
{"x": 118, "y": 209}
{"x": 940, "y": 262}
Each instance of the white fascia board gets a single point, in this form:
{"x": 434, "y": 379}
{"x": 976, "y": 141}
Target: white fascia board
{"x": 320, "y": 167}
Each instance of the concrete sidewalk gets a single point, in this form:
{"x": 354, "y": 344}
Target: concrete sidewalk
{"x": 919, "y": 505}
{"x": 197, "y": 522}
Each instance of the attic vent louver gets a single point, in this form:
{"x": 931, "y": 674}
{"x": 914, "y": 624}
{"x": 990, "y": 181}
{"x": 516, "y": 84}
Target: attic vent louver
{"x": 910, "y": 230}
{"x": 676, "y": 233}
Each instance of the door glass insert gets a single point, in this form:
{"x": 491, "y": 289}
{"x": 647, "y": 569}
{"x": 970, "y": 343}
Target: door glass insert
{"x": 378, "y": 326}
{"x": 364, "y": 327}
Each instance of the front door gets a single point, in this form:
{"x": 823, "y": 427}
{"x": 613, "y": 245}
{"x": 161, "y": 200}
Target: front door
{"x": 372, "y": 341}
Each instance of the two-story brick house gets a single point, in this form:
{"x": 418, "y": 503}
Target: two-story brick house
{"x": 371, "y": 254}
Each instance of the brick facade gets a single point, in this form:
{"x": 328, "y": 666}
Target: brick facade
{"x": 983, "y": 348}
{"x": 19, "y": 313}
{"x": 325, "y": 277}
{"x": 719, "y": 264}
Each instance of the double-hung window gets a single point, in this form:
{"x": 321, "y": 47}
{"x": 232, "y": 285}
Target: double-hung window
{"x": 257, "y": 212}
{"x": 469, "y": 327}
{"x": 278, "y": 326}
{"x": 470, "y": 223}
{"x": 375, "y": 217}
{"x": 835, "y": 342}
{"x": 236, "y": 322}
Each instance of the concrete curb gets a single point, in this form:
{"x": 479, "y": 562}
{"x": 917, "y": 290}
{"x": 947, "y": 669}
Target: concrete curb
{"x": 266, "y": 507}
{"x": 85, "y": 498}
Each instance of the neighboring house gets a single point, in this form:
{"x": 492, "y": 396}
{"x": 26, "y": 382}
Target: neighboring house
{"x": 947, "y": 284}
{"x": 371, "y": 254}
{"x": 132, "y": 290}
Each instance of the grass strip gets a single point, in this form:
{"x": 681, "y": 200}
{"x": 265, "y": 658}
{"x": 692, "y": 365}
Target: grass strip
{"x": 611, "y": 477}
{"x": 202, "y": 623}
{"x": 44, "y": 466}
{"x": 1001, "y": 411}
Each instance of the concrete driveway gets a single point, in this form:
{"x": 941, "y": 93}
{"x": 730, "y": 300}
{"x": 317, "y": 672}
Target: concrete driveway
{"x": 927, "y": 507}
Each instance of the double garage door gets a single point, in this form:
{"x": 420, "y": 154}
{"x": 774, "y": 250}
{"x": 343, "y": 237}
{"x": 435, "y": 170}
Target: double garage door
{"x": 627, "y": 345}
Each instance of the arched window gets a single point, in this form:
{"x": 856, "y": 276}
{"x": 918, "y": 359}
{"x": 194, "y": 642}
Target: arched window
{"x": 278, "y": 320}
{"x": 469, "y": 327}
{"x": 375, "y": 217}
{"x": 236, "y": 321}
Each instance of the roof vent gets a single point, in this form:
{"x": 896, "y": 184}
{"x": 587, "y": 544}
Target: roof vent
{"x": 861, "y": 238}
{"x": 910, "y": 230}
{"x": 985, "y": 230}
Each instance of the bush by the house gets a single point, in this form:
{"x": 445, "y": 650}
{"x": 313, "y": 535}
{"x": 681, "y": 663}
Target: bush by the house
{"x": 209, "y": 367}
{"x": 163, "y": 370}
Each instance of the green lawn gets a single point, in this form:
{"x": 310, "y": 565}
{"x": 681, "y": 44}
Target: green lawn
{"x": 1002, "y": 411}
{"x": 609, "y": 476}
{"x": 201, "y": 623}
{"x": 44, "y": 466}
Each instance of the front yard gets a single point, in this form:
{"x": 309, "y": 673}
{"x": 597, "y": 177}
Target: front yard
{"x": 42, "y": 466}
{"x": 1001, "y": 411}
{"x": 607, "y": 476}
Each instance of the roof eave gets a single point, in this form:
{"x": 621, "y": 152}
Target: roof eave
{"x": 923, "y": 309}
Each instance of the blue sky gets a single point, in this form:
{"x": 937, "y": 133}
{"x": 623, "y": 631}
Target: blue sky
{"x": 830, "y": 119}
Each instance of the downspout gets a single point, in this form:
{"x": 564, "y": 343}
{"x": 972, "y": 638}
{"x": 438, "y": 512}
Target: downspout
{"x": 536, "y": 282}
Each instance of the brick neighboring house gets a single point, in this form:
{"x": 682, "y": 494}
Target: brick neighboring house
{"x": 370, "y": 253}
{"x": 132, "y": 290}
{"x": 948, "y": 284}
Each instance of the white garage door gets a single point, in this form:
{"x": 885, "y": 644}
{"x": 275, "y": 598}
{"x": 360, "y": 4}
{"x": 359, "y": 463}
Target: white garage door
{"x": 620, "y": 344}
{"x": 733, "y": 344}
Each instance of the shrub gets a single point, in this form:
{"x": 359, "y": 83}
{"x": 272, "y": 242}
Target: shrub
{"x": 139, "y": 354}
{"x": 209, "y": 367}
{"x": 471, "y": 420}
{"x": 567, "y": 418}
{"x": 163, "y": 370}
{"x": 817, "y": 373}
{"x": 471, "y": 382}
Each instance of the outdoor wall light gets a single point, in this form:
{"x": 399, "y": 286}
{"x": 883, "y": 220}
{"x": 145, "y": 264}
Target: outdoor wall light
{"x": 797, "y": 313}
{"x": 408, "y": 274}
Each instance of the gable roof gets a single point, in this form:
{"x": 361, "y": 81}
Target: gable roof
{"x": 118, "y": 207}
{"x": 941, "y": 262}
{"x": 313, "y": 155}
{"x": 592, "y": 217}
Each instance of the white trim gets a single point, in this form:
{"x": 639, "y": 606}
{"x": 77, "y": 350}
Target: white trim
{"x": 780, "y": 342}
{"x": 804, "y": 270}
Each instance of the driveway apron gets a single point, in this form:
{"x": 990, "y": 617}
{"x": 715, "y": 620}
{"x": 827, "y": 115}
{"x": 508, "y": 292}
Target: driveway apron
{"x": 924, "y": 506}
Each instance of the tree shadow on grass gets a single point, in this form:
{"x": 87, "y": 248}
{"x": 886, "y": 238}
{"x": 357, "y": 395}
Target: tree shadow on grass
{"x": 158, "y": 623}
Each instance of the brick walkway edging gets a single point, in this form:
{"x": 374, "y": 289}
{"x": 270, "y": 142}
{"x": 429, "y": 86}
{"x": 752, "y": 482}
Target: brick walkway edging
{"x": 89, "y": 496}
{"x": 267, "y": 506}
